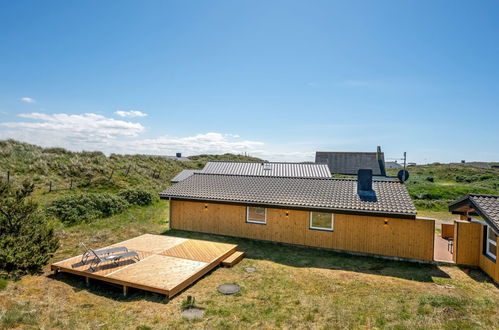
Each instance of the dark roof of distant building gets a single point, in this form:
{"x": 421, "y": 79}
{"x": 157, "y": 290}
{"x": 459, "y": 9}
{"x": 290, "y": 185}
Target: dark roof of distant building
{"x": 282, "y": 169}
{"x": 486, "y": 206}
{"x": 336, "y": 195}
{"x": 183, "y": 175}
{"x": 350, "y": 162}
{"x": 475, "y": 164}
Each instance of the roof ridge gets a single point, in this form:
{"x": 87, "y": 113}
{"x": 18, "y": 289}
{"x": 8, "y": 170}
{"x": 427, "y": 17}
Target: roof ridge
{"x": 264, "y": 162}
{"x": 290, "y": 177}
{"x": 483, "y": 195}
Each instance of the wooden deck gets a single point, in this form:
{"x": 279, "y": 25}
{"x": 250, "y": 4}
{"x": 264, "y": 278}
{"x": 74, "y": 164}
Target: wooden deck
{"x": 167, "y": 264}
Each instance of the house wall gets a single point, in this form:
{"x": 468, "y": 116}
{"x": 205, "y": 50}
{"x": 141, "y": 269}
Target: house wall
{"x": 403, "y": 238}
{"x": 468, "y": 248}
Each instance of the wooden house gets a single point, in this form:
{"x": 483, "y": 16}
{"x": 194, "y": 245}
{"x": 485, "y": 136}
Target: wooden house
{"x": 362, "y": 216}
{"x": 476, "y": 234}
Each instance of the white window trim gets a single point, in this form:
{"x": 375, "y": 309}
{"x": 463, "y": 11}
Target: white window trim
{"x": 319, "y": 228}
{"x": 487, "y": 251}
{"x": 264, "y": 222}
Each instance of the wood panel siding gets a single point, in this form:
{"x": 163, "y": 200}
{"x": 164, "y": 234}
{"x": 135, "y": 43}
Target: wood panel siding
{"x": 466, "y": 239}
{"x": 468, "y": 249}
{"x": 447, "y": 230}
{"x": 403, "y": 238}
{"x": 485, "y": 263}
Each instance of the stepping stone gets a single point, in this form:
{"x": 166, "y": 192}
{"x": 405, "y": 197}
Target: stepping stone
{"x": 229, "y": 288}
{"x": 250, "y": 269}
{"x": 193, "y": 313}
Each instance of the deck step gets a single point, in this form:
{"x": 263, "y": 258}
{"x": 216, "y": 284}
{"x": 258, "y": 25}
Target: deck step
{"x": 233, "y": 259}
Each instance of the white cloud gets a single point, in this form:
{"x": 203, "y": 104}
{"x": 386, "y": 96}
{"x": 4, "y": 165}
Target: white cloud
{"x": 91, "y": 131}
{"x": 131, "y": 113}
{"x": 28, "y": 100}
{"x": 84, "y": 127}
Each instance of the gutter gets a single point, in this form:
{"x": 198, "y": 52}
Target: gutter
{"x": 297, "y": 207}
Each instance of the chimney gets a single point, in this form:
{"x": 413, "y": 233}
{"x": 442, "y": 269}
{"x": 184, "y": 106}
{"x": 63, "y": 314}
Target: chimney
{"x": 381, "y": 161}
{"x": 365, "y": 183}
{"x": 179, "y": 154}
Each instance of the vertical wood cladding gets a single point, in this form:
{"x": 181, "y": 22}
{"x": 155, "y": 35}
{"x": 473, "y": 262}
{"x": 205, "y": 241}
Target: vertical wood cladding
{"x": 468, "y": 249}
{"x": 404, "y": 238}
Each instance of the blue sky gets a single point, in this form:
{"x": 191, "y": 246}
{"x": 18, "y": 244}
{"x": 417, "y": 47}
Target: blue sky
{"x": 275, "y": 79}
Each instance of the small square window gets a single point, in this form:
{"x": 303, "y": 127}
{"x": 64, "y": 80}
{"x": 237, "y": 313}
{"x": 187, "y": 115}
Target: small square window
{"x": 321, "y": 221}
{"x": 256, "y": 214}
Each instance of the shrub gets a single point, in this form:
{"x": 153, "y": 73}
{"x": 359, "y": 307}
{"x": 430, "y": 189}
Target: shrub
{"x": 76, "y": 209}
{"x": 138, "y": 197}
{"x": 26, "y": 239}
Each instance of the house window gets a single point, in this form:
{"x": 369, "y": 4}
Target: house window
{"x": 491, "y": 243}
{"x": 256, "y": 214}
{"x": 321, "y": 221}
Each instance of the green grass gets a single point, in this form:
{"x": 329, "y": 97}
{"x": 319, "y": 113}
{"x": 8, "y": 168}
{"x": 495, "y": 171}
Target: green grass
{"x": 450, "y": 182}
{"x": 92, "y": 171}
{"x": 3, "y": 283}
{"x": 291, "y": 287}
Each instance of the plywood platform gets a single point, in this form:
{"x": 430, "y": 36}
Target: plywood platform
{"x": 167, "y": 264}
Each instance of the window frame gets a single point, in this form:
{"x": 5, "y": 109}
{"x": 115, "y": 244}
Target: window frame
{"x": 248, "y": 220}
{"x": 311, "y": 227}
{"x": 490, "y": 241}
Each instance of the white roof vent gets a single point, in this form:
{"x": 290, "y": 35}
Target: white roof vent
{"x": 267, "y": 166}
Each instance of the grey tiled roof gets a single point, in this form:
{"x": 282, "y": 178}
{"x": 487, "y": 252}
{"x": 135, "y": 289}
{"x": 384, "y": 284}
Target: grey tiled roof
{"x": 308, "y": 193}
{"x": 488, "y": 206}
{"x": 350, "y": 162}
{"x": 269, "y": 169}
{"x": 183, "y": 175}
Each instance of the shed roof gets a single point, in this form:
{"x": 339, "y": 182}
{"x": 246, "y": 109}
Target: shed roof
{"x": 391, "y": 198}
{"x": 184, "y": 174}
{"x": 281, "y": 169}
{"x": 486, "y": 206}
{"x": 350, "y": 162}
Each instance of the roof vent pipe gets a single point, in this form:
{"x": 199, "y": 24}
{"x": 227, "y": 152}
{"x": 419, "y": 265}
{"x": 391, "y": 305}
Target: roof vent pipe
{"x": 365, "y": 182}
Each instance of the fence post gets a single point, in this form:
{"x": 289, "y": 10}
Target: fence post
{"x": 128, "y": 170}
{"x": 71, "y": 184}
{"x": 8, "y": 178}
{"x": 50, "y": 186}
{"x": 111, "y": 176}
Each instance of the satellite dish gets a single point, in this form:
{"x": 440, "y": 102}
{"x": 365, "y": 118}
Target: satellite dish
{"x": 403, "y": 175}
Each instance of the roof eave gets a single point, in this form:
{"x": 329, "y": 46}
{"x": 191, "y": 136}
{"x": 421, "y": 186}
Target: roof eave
{"x": 298, "y": 207}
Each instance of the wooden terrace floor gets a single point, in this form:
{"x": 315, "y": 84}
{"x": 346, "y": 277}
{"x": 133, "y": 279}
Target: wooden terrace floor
{"x": 167, "y": 264}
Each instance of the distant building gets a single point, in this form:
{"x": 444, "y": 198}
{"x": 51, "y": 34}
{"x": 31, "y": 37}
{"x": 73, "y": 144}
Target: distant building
{"x": 350, "y": 163}
{"x": 474, "y": 164}
{"x": 393, "y": 165}
{"x": 178, "y": 157}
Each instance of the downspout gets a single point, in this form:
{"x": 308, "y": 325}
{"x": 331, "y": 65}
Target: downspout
{"x": 169, "y": 213}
